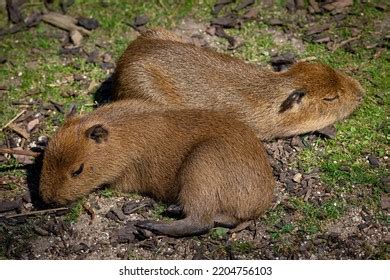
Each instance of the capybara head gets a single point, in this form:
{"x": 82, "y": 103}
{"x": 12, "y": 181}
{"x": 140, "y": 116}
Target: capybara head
{"x": 73, "y": 164}
{"x": 321, "y": 96}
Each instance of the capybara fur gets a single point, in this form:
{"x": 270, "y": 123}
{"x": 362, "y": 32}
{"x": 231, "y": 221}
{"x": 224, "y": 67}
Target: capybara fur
{"x": 210, "y": 164}
{"x": 161, "y": 67}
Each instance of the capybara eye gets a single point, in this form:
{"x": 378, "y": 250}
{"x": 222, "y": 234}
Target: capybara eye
{"x": 78, "y": 171}
{"x": 331, "y": 98}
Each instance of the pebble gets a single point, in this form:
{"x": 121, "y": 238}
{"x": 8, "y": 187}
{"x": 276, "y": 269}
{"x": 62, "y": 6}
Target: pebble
{"x": 115, "y": 214}
{"x": 297, "y": 178}
{"x": 373, "y": 160}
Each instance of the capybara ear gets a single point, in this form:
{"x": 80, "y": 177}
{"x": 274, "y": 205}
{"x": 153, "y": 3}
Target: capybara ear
{"x": 294, "y": 98}
{"x": 97, "y": 133}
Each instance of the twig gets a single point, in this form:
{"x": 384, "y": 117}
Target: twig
{"x": 310, "y": 58}
{"x": 343, "y": 43}
{"x": 39, "y": 212}
{"x": 13, "y": 119}
{"x": 18, "y": 152}
{"x": 87, "y": 207}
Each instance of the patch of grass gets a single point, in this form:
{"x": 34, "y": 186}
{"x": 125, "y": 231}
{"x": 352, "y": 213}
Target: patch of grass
{"x": 108, "y": 192}
{"x": 219, "y": 233}
{"x": 242, "y": 246}
{"x": 75, "y": 212}
{"x": 313, "y": 217}
{"x": 158, "y": 210}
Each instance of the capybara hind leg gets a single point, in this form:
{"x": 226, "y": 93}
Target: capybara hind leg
{"x": 179, "y": 228}
{"x": 223, "y": 220}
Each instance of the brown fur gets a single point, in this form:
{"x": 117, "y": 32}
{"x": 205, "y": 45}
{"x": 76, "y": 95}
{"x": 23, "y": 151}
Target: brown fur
{"x": 210, "y": 164}
{"x": 160, "y": 67}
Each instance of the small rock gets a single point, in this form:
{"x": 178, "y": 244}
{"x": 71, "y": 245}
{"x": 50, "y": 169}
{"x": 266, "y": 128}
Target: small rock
{"x": 251, "y": 14}
{"x": 79, "y": 248}
{"x": 244, "y": 4}
{"x": 289, "y": 185}
{"x": 78, "y": 77}
{"x": 40, "y": 231}
{"x": 115, "y": 214}
{"x": 297, "y": 178}
{"x": 32, "y": 124}
{"x": 329, "y": 131}
{"x": 317, "y": 29}
{"x": 93, "y": 57}
{"x": 385, "y": 201}
{"x": 129, "y": 207}
{"x": 6, "y": 206}
{"x": 290, "y": 5}
{"x": 55, "y": 227}
{"x": 125, "y": 234}
{"x": 219, "y": 5}
{"x": 28, "y": 206}
{"x": 211, "y": 30}
{"x": 345, "y": 168}
{"x": 228, "y": 21}
{"x": 386, "y": 184}
{"x": 234, "y": 42}
{"x": 141, "y": 20}
{"x": 300, "y": 4}
{"x": 107, "y": 65}
{"x": 315, "y": 6}
{"x": 275, "y": 22}
{"x": 297, "y": 142}
{"x": 107, "y": 58}
{"x": 3, "y": 59}
{"x": 337, "y": 5}
{"x": 373, "y": 160}
{"x": 321, "y": 38}
{"x": 76, "y": 37}
{"x": 88, "y": 23}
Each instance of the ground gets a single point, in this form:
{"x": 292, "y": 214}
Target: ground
{"x": 332, "y": 196}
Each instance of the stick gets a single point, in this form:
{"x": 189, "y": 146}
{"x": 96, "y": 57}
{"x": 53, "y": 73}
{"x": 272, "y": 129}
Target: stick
{"x": 345, "y": 42}
{"x": 13, "y": 119}
{"x": 39, "y": 212}
{"x": 18, "y": 152}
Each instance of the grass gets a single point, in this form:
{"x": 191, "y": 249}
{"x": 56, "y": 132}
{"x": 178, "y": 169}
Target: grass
{"x": 75, "y": 212}
{"x": 37, "y": 69}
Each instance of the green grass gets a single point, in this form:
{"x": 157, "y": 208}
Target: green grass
{"x": 242, "y": 247}
{"x": 75, "y": 212}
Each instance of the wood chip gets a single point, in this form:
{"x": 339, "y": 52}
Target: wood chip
{"x": 32, "y": 124}
{"x": 18, "y": 152}
{"x": 21, "y": 131}
{"x": 76, "y": 37}
{"x": 64, "y": 22}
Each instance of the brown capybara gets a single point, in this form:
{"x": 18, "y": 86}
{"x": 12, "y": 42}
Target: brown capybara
{"x": 160, "y": 67}
{"x": 212, "y": 165}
